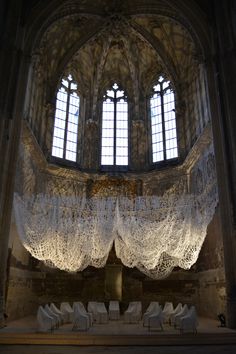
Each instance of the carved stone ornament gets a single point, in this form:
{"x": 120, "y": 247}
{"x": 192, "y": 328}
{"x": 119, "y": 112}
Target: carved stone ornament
{"x": 91, "y": 122}
{"x": 138, "y": 123}
{"x": 116, "y": 24}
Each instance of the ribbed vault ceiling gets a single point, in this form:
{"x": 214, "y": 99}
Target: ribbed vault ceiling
{"x": 104, "y": 41}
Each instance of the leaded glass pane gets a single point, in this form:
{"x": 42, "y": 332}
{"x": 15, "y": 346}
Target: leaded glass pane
{"x": 66, "y": 121}
{"x": 114, "y": 149}
{"x": 163, "y": 122}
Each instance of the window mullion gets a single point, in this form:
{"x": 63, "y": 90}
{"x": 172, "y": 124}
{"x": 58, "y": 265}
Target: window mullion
{"x": 163, "y": 122}
{"x": 115, "y": 132}
{"x": 115, "y": 103}
{"x": 66, "y": 125}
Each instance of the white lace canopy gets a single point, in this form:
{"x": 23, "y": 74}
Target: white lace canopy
{"x": 154, "y": 234}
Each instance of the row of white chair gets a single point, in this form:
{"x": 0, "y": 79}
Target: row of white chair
{"x": 181, "y": 317}
{"x": 100, "y": 313}
{"x": 50, "y": 317}
{"x": 133, "y": 313}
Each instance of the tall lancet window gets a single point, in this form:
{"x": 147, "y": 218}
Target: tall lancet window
{"x": 114, "y": 151}
{"x": 163, "y": 122}
{"x": 65, "y": 133}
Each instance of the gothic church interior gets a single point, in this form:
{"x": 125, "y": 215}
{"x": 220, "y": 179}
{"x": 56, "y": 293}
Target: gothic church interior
{"x": 118, "y": 99}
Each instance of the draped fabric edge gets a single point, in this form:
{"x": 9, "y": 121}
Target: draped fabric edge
{"x": 154, "y": 234}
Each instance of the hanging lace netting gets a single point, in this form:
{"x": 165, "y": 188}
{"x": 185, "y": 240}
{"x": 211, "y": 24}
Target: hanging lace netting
{"x": 157, "y": 234}
{"x": 68, "y": 233}
{"x": 154, "y": 234}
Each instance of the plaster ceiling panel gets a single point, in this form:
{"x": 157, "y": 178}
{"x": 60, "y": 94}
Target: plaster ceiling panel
{"x": 116, "y": 66}
{"x": 175, "y": 39}
{"x": 84, "y": 63}
{"x": 115, "y": 57}
{"x": 149, "y": 63}
{"x": 59, "y": 39}
{"x": 179, "y": 43}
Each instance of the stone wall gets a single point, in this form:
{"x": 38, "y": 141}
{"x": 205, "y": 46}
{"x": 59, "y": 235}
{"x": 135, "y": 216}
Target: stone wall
{"x": 31, "y": 283}
{"x": 210, "y": 272}
{"x": 22, "y": 299}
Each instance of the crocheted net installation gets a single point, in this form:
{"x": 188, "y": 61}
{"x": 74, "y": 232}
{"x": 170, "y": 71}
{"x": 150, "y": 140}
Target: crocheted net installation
{"x": 154, "y": 234}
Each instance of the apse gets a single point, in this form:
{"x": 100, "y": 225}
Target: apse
{"x": 116, "y": 167}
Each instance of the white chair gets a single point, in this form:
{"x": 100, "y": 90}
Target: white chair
{"x": 92, "y": 308}
{"x": 55, "y": 317}
{"x": 45, "y": 322}
{"x": 134, "y": 312}
{"x": 189, "y": 322}
{"x": 156, "y": 319}
{"x": 114, "y": 310}
{"x": 80, "y": 320}
{"x": 175, "y": 312}
{"x": 67, "y": 310}
{"x": 168, "y": 308}
{"x": 83, "y": 311}
{"x": 152, "y": 308}
{"x": 55, "y": 310}
{"x": 177, "y": 318}
{"x": 102, "y": 315}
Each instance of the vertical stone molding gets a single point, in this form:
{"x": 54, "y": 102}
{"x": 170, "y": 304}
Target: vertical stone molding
{"x": 13, "y": 73}
{"x": 221, "y": 75}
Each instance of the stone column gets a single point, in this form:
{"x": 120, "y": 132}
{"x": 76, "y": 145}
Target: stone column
{"x": 13, "y": 74}
{"x": 113, "y": 282}
{"x": 221, "y": 72}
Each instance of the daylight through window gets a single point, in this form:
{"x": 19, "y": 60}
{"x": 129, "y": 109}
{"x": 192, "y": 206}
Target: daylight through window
{"x": 163, "y": 122}
{"x": 114, "y": 128}
{"x": 66, "y": 121}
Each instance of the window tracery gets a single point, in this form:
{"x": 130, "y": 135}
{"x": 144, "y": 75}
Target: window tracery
{"x": 163, "y": 122}
{"x": 114, "y": 146}
{"x": 115, "y": 134}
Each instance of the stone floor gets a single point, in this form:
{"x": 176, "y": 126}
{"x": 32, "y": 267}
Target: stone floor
{"x": 43, "y": 349}
{"x": 27, "y": 326}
